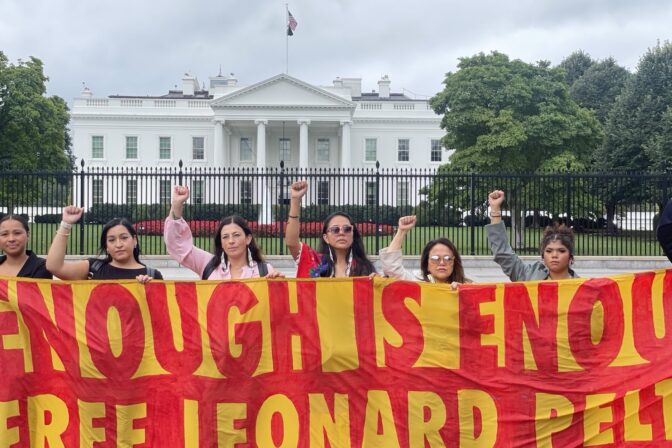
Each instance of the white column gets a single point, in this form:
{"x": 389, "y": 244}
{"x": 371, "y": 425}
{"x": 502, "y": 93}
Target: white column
{"x": 261, "y": 142}
{"x": 218, "y": 150}
{"x": 226, "y": 147}
{"x": 303, "y": 143}
{"x": 346, "y": 156}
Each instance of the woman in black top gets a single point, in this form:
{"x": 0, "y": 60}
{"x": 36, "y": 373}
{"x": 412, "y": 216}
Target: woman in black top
{"x": 17, "y": 261}
{"x": 118, "y": 241}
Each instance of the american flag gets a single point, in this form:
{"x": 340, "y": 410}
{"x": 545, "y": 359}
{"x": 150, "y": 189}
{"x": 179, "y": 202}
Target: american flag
{"x": 291, "y": 24}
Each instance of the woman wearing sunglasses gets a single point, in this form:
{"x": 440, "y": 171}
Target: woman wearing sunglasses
{"x": 440, "y": 261}
{"x": 341, "y": 252}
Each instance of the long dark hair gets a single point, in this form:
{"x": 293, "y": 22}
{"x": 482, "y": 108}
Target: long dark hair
{"x": 361, "y": 265}
{"x": 458, "y": 268}
{"x": 103, "y": 238}
{"x": 242, "y": 223}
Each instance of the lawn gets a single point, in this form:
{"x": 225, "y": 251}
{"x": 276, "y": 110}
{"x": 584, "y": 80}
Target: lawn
{"x": 634, "y": 243}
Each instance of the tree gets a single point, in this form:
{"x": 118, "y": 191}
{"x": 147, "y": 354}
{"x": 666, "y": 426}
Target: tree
{"x": 599, "y": 86}
{"x": 503, "y": 115}
{"x": 33, "y": 131}
{"x": 33, "y": 127}
{"x": 575, "y": 66}
{"x": 639, "y": 128}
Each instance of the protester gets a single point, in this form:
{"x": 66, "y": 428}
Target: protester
{"x": 118, "y": 244}
{"x": 440, "y": 261}
{"x": 236, "y": 253}
{"x": 17, "y": 261}
{"x": 341, "y": 252}
{"x": 664, "y": 230}
{"x": 557, "y": 249}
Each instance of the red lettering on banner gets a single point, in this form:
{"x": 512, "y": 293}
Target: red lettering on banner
{"x": 404, "y": 321}
{"x": 285, "y": 324}
{"x": 587, "y": 354}
{"x": 43, "y": 332}
{"x": 364, "y": 327}
{"x": 247, "y": 334}
{"x": 103, "y": 297}
{"x": 11, "y": 360}
{"x": 648, "y": 345}
{"x": 472, "y": 325}
{"x": 541, "y": 332}
{"x": 186, "y": 361}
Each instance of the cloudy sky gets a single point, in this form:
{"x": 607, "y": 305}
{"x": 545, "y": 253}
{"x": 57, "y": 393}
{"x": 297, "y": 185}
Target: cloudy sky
{"x": 143, "y": 47}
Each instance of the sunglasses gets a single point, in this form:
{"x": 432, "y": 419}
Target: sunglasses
{"x": 436, "y": 259}
{"x": 346, "y": 229}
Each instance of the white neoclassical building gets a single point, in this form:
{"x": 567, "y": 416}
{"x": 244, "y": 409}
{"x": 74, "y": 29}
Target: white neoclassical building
{"x": 258, "y": 126}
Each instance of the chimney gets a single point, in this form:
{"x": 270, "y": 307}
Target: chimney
{"x": 87, "y": 93}
{"x": 384, "y": 87}
{"x": 338, "y": 82}
{"x": 189, "y": 85}
{"x": 355, "y": 86}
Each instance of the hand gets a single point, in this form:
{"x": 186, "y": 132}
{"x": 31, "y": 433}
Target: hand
{"x": 72, "y": 214}
{"x": 180, "y": 194}
{"x": 374, "y": 275}
{"x": 455, "y": 286}
{"x": 495, "y": 199}
{"x": 299, "y": 189}
{"x": 406, "y": 223}
{"x": 144, "y": 279}
{"x": 275, "y": 274}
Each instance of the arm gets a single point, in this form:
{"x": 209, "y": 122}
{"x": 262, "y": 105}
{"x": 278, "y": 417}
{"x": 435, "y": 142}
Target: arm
{"x": 392, "y": 262}
{"x": 664, "y": 230}
{"x": 178, "y": 238}
{"x": 406, "y": 223}
{"x": 76, "y": 270}
{"x": 292, "y": 231}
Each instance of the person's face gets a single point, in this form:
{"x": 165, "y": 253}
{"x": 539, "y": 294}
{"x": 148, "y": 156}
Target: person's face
{"x": 340, "y": 233}
{"x": 556, "y": 257}
{"x": 234, "y": 241}
{"x": 120, "y": 244}
{"x": 441, "y": 263}
{"x": 13, "y": 238}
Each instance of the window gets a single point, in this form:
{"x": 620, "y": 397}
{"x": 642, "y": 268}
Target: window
{"x": 132, "y": 147}
{"x": 97, "y": 147}
{"x": 197, "y": 191}
{"x": 402, "y": 150}
{"x": 322, "y": 150}
{"x": 164, "y": 191}
{"x": 436, "y": 151}
{"x": 97, "y": 191}
{"x": 246, "y": 154}
{"x": 245, "y": 192}
{"x": 285, "y": 149}
{"x": 198, "y": 148}
{"x": 131, "y": 191}
{"x": 165, "y": 146}
{"x": 402, "y": 194}
{"x": 370, "y": 150}
{"x": 323, "y": 192}
{"x": 370, "y": 193}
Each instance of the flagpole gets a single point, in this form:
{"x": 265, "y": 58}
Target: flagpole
{"x": 286, "y": 39}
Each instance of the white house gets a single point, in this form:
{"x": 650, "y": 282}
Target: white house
{"x": 258, "y": 126}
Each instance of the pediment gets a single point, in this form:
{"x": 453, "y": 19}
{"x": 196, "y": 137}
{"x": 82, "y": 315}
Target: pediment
{"x": 283, "y": 91}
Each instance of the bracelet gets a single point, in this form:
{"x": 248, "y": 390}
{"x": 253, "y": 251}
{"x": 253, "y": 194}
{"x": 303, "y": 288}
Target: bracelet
{"x": 293, "y": 217}
{"x": 496, "y": 214}
{"x": 63, "y": 234}
{"x": 66, "y": 225}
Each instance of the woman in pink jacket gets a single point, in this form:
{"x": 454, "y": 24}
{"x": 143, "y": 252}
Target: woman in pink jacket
{"x": 236, "y": 253}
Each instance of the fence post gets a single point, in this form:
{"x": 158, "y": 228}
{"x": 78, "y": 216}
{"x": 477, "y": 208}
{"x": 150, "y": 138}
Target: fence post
{"x": 281, "y": 208}
{"x": 377, "y": 207}
{"x": 81, "y": 204}
{"x": 179, "y": 173}
{"x": 568, "y": 193}
{"x": 472, "y": 206}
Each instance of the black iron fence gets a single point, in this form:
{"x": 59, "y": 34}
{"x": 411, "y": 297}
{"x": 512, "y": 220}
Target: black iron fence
{"x": 613, "y": 214}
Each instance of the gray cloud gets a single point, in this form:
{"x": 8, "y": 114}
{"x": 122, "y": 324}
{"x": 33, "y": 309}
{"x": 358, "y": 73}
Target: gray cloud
{"x": 144, "y": 47}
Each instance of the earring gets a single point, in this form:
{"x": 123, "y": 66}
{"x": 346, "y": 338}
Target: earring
{"x": 250, "y": 261}
{"x": 223, "y": 263}
{"x": 331, "y": 255}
